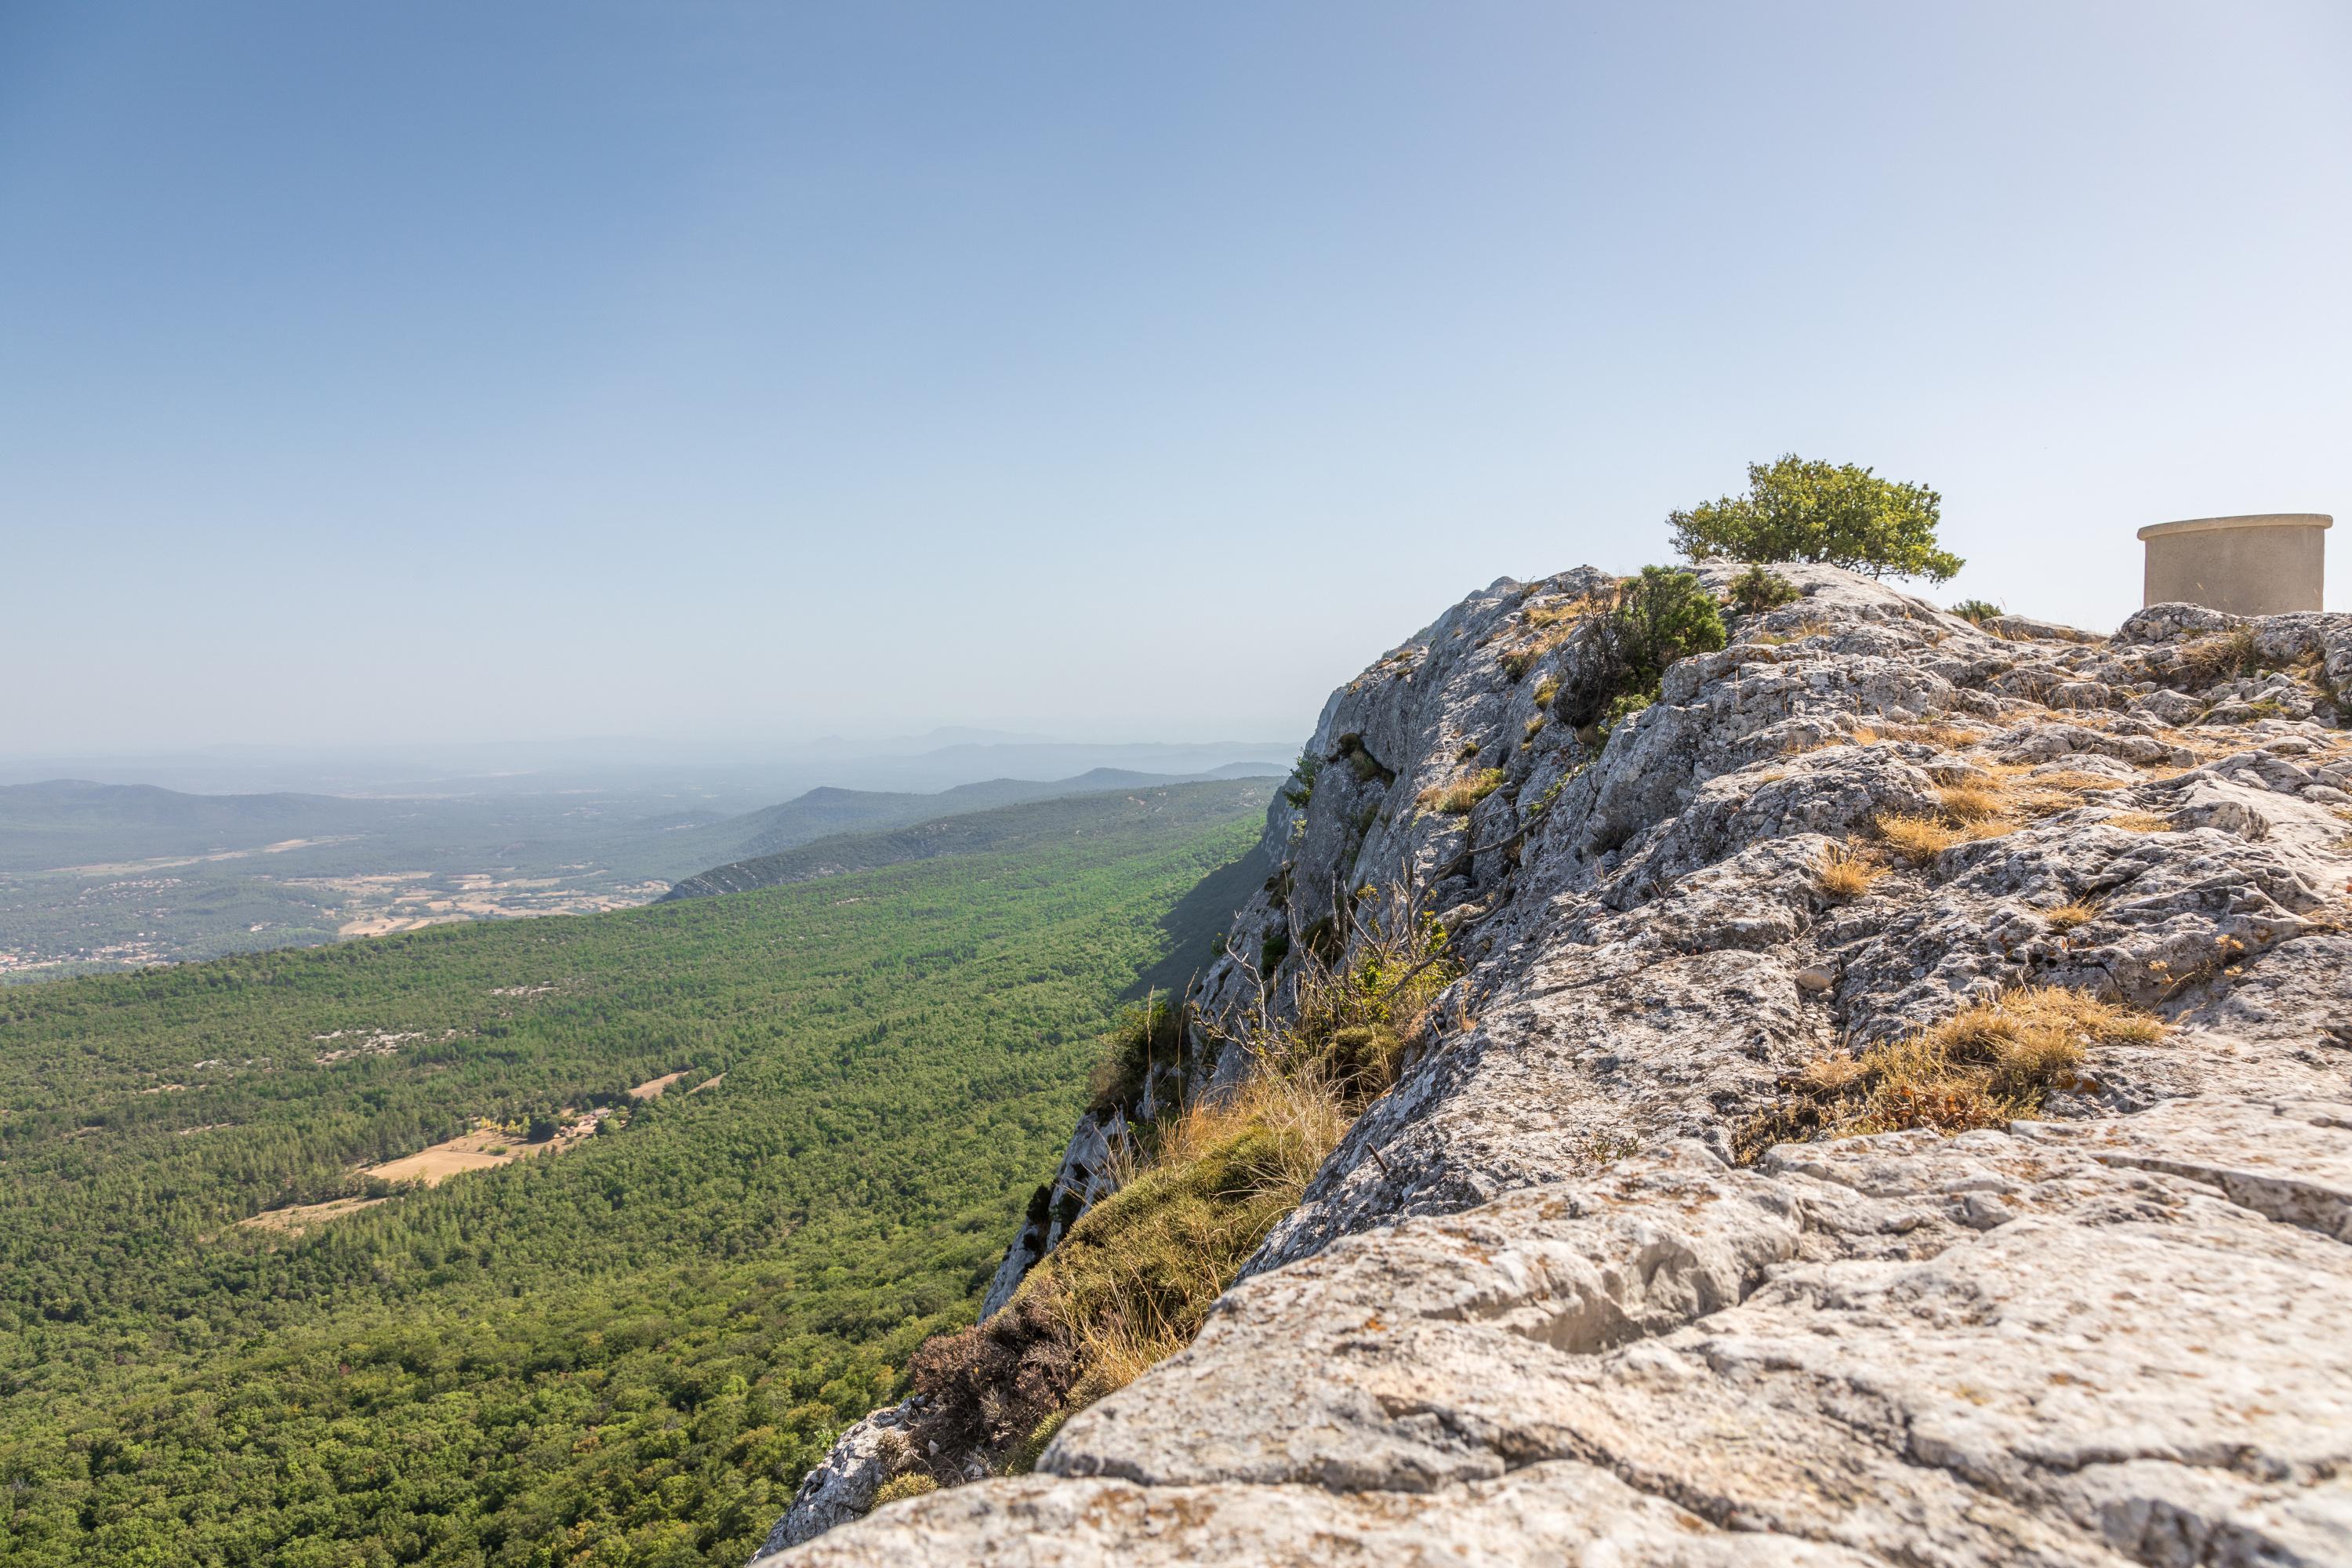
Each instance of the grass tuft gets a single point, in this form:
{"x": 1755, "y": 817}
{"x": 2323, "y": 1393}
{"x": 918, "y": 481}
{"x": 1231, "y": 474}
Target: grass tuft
{"x": 1845, "y": 873}
{"x": 1971, "y": 805}
{"x": 2140, "y": 822}
{"x": 1917, "y": 839}
{"x": 1988, "y": 1064}
{"x": 2067, "y": 916}
{"x": 1458, "y": 798}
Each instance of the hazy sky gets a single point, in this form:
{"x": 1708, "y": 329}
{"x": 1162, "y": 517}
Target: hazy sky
{"x": 377, "y": 372}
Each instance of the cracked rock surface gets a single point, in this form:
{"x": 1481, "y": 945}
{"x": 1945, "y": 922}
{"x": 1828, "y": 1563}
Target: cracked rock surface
{"x": 1534, "y": 1308}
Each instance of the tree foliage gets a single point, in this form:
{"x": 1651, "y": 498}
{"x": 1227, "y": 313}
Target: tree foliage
{"x": 1798, "y": 509}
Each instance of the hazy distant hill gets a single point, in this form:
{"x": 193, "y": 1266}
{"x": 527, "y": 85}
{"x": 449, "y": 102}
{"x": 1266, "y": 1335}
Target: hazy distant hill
{"x": 179, "y": 877}
{"x": 71, "y": 822}
{"x": 1031, "y": 824}
{"x": 823, "y": 812}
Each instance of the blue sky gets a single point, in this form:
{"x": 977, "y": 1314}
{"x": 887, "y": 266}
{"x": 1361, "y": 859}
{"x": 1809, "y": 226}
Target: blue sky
{"x": 375, "y": 373}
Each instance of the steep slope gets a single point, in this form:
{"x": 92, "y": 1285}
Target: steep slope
{"x": 1007, "y": 828}
{"x": 1897, "y": 1110}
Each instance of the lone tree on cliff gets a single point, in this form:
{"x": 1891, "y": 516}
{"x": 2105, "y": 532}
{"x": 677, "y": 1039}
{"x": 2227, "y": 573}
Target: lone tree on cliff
{"x": 1799, "y": 510}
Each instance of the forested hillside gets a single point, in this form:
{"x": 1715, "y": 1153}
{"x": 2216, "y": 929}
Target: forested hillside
{"x": 622, "y": 1350}
{"x": 1010, "y": 827}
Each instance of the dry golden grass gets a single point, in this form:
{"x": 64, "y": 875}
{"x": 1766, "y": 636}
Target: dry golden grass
{"x": 2140, "y": 822}
{"x": 1546, "y": 627}
{"x": 1945, "y": 737}
{"x": 2005, "y": 799}
{"x": 2066, "y": 917}
{"x": 1560, "y": 612}
{"x": 1132, "y": 1281}
{"x": 1458, "y": 798}
{"x": 1987, "y": 1064}
{"x": 2235, "y": 652}
{"x": 1972, "y": 805}
{"x": 1546, "y": 689}
{"x": 1864, "y": 736}
{"x": 1847, "y": 873}
{"x": 1918, "y": 839}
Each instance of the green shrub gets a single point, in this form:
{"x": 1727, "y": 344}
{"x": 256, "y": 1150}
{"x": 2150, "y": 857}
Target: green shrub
{"x": 1796, "y": 510}
{"x": 1660, "y": 616}
{"x": 1299, "y": 793}
{"x": 1758, "y": 589}
{"x": 912, "y": 1483}
{"x": 1977, "y": 610}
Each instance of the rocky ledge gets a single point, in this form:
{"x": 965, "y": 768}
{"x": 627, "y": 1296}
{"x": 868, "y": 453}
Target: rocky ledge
{"x": 1605, "y": 1279}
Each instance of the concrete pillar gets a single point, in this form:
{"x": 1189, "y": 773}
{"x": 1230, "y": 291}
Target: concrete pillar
{"x": 2265, "y": 564}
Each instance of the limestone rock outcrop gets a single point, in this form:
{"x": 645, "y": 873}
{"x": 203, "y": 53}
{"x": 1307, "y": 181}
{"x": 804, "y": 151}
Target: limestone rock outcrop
{"x": 1586, "y": 1285}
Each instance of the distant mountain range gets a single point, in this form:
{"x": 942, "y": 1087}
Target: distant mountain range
{"x": 731, "y": 780}
{"x": 825, "y": 811}
{"x": 106, "y": 876}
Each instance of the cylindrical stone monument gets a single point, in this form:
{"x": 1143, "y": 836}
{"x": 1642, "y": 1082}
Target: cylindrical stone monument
{"x": 2265, "y": 564}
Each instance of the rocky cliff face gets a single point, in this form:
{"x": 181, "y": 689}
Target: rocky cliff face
{"x": 1898, "y": 1109}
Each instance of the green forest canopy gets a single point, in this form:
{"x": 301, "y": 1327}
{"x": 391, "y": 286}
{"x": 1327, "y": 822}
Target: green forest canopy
{"x": 624, "y": 1354}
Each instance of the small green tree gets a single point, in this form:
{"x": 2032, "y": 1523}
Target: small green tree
{"x": 1796, "y": 510}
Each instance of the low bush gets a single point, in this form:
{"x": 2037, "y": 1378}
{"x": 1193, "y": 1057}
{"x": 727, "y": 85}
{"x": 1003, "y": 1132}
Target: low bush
{"x": 1976, "y": 612}
{"x": 1362, "y": 763}
{"x": 1662, "y": 615}
{"x": 1759, "y": 589}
